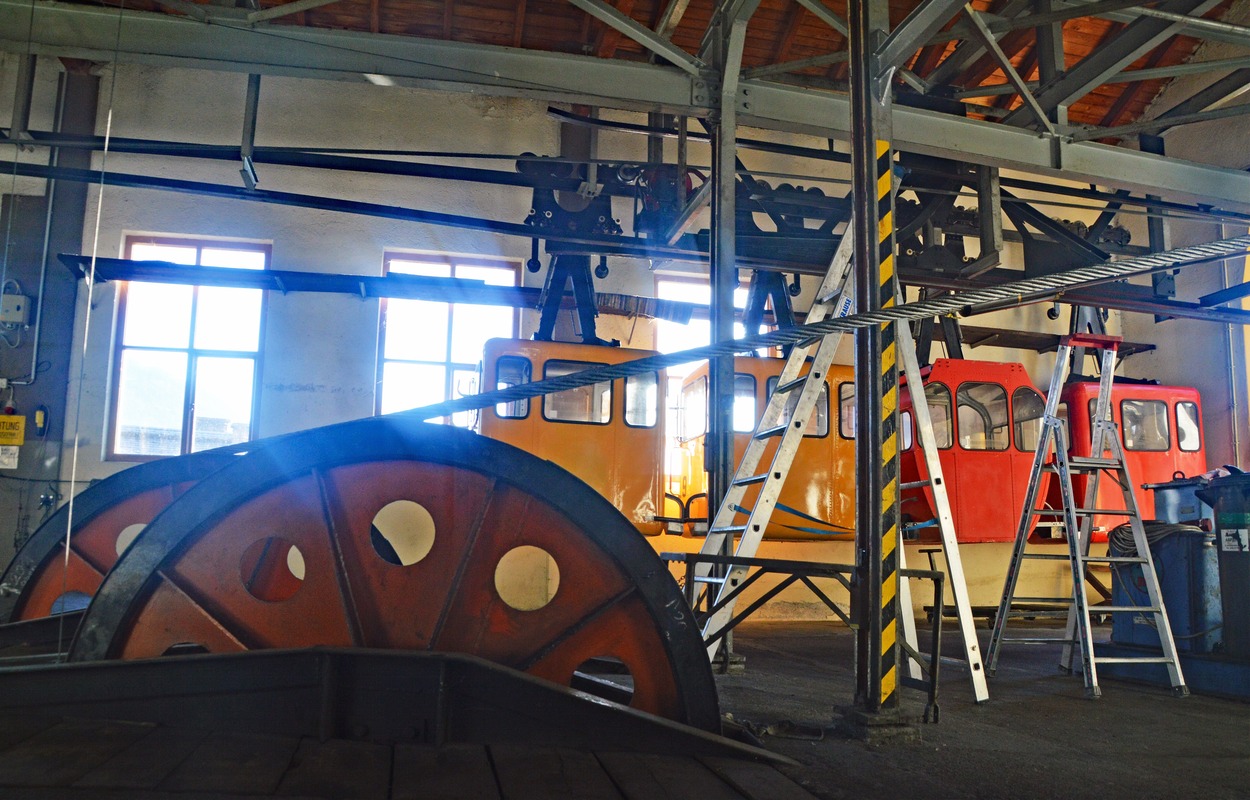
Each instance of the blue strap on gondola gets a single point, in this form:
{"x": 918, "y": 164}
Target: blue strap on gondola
{"x": 829, "y": 529}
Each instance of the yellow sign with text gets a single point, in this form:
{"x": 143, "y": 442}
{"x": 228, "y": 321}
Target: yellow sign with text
{"x": 12, "y": 430}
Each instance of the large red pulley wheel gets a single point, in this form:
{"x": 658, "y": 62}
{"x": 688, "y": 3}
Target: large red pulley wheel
{"x": 391, "y": 533}
{"x": 101, "y": 522}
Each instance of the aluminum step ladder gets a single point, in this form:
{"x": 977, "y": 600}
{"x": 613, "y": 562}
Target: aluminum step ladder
{"x": 785, "y": 418}
{"x": 1106, "y": 456}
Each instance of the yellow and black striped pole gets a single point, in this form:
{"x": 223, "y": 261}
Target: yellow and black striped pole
{"x": 875, "y": 599}
{"x": 888, "y": 580}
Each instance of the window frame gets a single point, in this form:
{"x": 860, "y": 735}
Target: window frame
{"x": 753, "y": 394}
{"x": 625, "y": 400}
{"x": 841, "y": 419}
{"x": 450, "y": 367}
{"x": 770, "y": 386}
{"x": 1167, "y": 444}
{"x": 119, "y": 347}
{"x": 1015, "y": 423}
{"x": 985, "y": 417}
{"x": 1197, "y": 422}
{"x": 952, "y": 415}
{"x": 682, "y": 427}
{"x": 587, "y": 365}
{"x": 506, "y": 359}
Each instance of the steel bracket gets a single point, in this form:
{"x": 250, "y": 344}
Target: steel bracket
{"x": 744, "y": 100}
{"x": 701, "y": 93}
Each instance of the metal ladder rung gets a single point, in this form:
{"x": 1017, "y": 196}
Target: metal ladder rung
{"x": 790, "y": 386}
{"x": 1082, "y": 463}
{"x": 1113, "y": 559}
{"x": 753, "y": 479}
{"x": 1117, "y": 609}
{"x": 707, "y": 579}
{"x": 1132, "y": 660}
{"x": 1040, "y": 614}
{"x": 1045, "y": 556}
{"x": 1084, "y": 512}
{"x": 771, "y": 433}
{"x": 727, "y": 530}
{"x": 1035, "y": 640}
{"x": 914, "y": 485}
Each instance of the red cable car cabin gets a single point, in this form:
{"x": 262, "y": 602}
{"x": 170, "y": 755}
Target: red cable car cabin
{"x": 986, "y": 418}
{"x": 1161, "y": 433}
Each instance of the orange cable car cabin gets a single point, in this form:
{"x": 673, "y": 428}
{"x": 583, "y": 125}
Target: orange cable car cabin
{"x": 818, "y": 501}
{"x": 609, "y": 434}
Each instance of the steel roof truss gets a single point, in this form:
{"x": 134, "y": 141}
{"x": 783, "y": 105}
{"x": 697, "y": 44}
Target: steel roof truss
{"x": 643, "y": 36}
{"x": 1139, "y": 38}
{"x": 914, "y": 32}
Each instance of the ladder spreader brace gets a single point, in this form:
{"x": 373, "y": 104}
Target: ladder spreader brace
{"x": 784, "y": 419}
{"x": 1051, "y": 456}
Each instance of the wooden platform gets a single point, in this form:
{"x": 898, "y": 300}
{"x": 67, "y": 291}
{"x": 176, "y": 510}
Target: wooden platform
{"x": 97, "y": 759}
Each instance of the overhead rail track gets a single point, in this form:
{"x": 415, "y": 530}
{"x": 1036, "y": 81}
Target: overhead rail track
{"x": 372, "y": 161}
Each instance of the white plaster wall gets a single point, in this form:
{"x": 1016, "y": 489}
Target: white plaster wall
{"x": 319, "y": 351}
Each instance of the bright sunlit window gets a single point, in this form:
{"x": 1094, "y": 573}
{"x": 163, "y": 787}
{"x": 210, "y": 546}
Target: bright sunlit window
{"x": 187, "y": 359}
{"x": 671, "y": 337}
{"x": 430, "y": 350}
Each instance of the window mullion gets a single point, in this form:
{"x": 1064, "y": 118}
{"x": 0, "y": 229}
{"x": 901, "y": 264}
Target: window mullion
{"x": 188, "y": 414}
{"x": 448, "y": 370}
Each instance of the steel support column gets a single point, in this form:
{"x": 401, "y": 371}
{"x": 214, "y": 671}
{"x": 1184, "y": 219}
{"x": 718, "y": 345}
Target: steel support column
{"x": 875, "y": 600}
{"x": 1163, "y": 283}
{"x": 1050, "y": 57}
{"x": 723, "y": 269}
{"x": 22, "y": 94}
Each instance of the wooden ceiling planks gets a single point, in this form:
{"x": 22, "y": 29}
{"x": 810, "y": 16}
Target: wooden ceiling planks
{"x": 780, "y": 31}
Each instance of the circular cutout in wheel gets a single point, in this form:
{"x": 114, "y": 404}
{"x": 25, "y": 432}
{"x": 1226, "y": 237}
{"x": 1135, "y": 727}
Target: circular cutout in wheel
{"x": 321, "y": 491}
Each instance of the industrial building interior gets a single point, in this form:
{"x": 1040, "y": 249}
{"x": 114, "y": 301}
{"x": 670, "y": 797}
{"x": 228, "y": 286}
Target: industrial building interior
{"x": 470, "y": 399}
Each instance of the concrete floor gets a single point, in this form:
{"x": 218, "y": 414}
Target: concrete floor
{"x": 1037, "y": 736}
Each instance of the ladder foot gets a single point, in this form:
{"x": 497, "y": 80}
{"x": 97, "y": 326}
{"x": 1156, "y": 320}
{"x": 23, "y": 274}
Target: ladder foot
{"x": 1180, "y": 691}
{"x": 1093, "y": 693}
{"x": 1065, "y": 670}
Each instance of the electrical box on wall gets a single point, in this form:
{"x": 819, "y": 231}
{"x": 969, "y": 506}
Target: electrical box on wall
{"x": 14, "y": 309}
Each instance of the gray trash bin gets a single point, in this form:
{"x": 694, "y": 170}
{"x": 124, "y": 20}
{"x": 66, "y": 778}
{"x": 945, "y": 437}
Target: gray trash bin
{"x": 1230, "y": 497}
